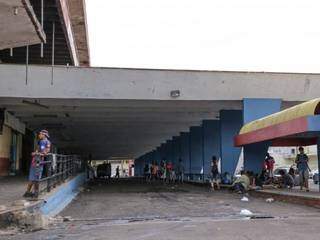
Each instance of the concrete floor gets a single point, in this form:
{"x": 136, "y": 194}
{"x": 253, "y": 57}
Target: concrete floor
{"x": 129, "y": 210}
{"x": 12, "y": 188}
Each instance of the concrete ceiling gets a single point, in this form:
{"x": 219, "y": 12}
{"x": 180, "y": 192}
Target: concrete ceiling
{"x": 114, "y": 128}
{"x": 18, "y": 24}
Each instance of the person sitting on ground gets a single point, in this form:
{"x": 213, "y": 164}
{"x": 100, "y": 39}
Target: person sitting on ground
{"x": 241, "y": 184}
{"x": 286, "y": 180}
{"x": 36, "y": 168}
{"x": 303, "y": 168}
{"x": 215, "y": 175}
{"x": 226, "y": 178}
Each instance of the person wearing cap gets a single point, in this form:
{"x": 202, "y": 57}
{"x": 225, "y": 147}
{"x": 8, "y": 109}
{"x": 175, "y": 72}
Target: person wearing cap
{"x": 36, "y": 168}
{"x": 303, "y": 168}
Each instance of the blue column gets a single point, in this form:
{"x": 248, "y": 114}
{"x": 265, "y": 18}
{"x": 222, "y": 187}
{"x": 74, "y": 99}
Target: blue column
{"x": 162, "y": 151}
{"x": 211, "y": 142}
{"x": 169, "y": 151}
{"x": 157, "y": 155}
{"x": 175, "y": 149}
{"x": 230, "y": 124}
{"x": 185, "y": 151}
{"x": 253, "y": 109}
{"x": 196, "y": 150}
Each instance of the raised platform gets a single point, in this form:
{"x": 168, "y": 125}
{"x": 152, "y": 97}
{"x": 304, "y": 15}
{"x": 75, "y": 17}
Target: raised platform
{"x": 295, "y": 196}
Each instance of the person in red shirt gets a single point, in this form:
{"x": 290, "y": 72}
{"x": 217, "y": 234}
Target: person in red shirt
{"x": 269, "y": 160}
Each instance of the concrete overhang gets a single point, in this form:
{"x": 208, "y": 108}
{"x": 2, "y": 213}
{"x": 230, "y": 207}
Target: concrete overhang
{"x": 19, "y": 25}
{"x": 78, "y": 16}
{"x": 146, "y": 84}
{"x": 112, "y": 112}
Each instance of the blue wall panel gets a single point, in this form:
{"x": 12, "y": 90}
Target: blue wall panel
{"x": 185, "y": 150}
{"x": 196, "y": 150}
{"x": 176, "y": 149}
{"x": 253, "y": 109}
{"x": 230, "y": 124}
{"x": 211, "y": 142}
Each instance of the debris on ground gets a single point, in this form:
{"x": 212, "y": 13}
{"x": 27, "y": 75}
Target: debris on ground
{"x": 3, "y": 208}
{"x": 244, "y": 199}
{"x": 67, "y": 218}
{"x": 21, "y": 203}
{"x": 25, "y": 220}
{"x": 269, "y": 200}
{"x": 246, "y": 212}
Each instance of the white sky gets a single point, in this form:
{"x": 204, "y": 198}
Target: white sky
{"x": 254, "y": 35}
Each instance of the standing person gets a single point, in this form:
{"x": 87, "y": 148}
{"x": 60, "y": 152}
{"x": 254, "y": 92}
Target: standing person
{"x": 270, "y": 165}
{"x": 303, "y": 168}
{"x": 168, "y": 172}
{"x": 117, "y": 172}
{"x": 180, "y": 171}
{"x": 154, "y": 171}
{"x": 36, "y": 168}
{"x": 146, "y": 172}
{"x": 163, "y": 169}
{"x": 215, "y": 175}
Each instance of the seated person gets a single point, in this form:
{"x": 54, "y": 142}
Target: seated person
{"x": 286, "y": 180}
{"x": 241, "y": 185}
{"x": 226, "y": 178}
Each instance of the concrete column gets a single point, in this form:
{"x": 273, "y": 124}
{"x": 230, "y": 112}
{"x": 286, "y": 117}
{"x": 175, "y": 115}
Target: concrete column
{"x": 157, "y": 156}
{"x": 175, "y": 149}
{"x": 211, "y": 142}
{"x": 230, "y": 124}
{"x": 253, "y": 109}
{"x": 196, "y": 150}
{"x": 185, "y": 151}
{"x": 169, "y": 151}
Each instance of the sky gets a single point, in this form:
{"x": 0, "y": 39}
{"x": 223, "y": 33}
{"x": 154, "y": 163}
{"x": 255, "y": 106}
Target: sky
{"x": 244, "y": 35}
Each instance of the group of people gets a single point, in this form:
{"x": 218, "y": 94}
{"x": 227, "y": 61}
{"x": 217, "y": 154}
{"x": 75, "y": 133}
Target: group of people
{"x": 165, "y": 171}
{"x": 287, "y": 179}
{"x": 266, "y": 177}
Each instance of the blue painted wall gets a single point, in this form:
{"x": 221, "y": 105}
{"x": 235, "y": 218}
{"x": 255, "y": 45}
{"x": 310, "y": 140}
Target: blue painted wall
{"x": 157, "y": 155}
{"x": 196, "y": 149}
{"x": 62, "y": 196}
{"x": 211, "y": 142}
{"x": 230, "y": 124}
{"x": 185, "y": 151}
{"x": 175, "y": 149}
{"x": 253, "y": 109}
{"x": 254, "y": 155}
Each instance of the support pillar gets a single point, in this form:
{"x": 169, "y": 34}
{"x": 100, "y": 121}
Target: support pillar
{"x": 253, "y": 108}
{"x": 230, "y": 124}
{"x": 211, "y": 142}
{"x": 196, "y": 150}
{"x": 185, "y": 151}
{"x": 175, "y": 150}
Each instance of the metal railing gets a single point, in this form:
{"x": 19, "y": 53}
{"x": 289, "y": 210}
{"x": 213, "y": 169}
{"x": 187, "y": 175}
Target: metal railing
{"x": 56, "y": 168}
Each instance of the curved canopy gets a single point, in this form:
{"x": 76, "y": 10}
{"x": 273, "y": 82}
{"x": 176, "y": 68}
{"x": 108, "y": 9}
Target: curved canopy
{"x": 308, "y": 108}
